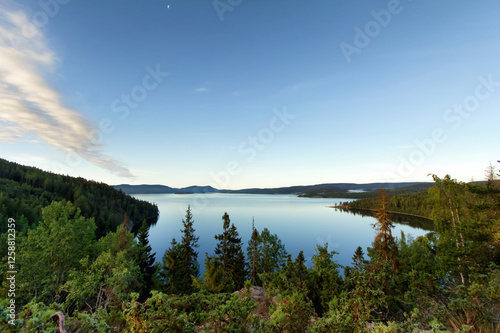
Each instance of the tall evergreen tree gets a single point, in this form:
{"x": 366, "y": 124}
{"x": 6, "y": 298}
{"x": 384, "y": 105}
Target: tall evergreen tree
{"x": 228, "y": 262}
{"x": 188, "y": 253}
{"x": 273, "y": 252}
{"x": 384, "y": 245}
{"x": 253, "y": 253}
{"x": 180, "y": 261}
{"x": 325, "y": 279}
{"x": 171, "y": 269}
{"x": 146, "y": 261}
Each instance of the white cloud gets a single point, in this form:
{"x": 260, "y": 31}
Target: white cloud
{"x": 203, "y": 89}
{"x": 29, "y": 106}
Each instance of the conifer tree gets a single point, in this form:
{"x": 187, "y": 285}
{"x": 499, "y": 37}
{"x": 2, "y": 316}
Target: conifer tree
{"x": 180, "y": 261}
{"x": 253, "y": 253}
{"x": 188, "y": 254}
{"x": 228, "y": 262}
{"x": 358, "y": 259}
{"x": 384, "y": 245}
{"x": 146, "y": 261}
{"x": 266, "y": 254}
{"x": 171, "y": 268}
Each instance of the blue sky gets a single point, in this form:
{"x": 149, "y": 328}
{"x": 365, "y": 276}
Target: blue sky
{"x": 239, "y": 94}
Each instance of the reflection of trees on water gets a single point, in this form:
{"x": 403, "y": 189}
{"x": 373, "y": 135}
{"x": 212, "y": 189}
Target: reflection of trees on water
{"x": 410, "y": 220}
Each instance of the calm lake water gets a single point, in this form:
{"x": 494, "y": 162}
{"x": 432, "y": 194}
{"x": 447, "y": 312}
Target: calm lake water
{"x": 300, "y": 223}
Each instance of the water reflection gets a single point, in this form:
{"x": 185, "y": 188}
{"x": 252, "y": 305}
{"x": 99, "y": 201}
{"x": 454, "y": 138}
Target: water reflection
{"x": 413, "y": 221}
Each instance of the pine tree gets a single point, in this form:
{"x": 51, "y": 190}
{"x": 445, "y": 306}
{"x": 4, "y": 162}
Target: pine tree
{"x": 266, "y": 254}
{"x": 358, "y": 259}
{"x": 171, "y": 268}
{"x": 301, "y": 271}
{"x": 325, "y": 280}
{"x": 180, "y": 261}
{"x": 146, "y": 261}
{"x": 384, "y": 245}
{"x": 253, "y": 253}
{"x": 273, "y": 252}
{"x": 188, "y": 254}
{"x": 228, "y": 261}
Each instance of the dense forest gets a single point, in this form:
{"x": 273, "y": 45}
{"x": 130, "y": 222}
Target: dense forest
{"x": 24, "y": 191}
{"x": 447, "y": 280}
{"x": 413, "y": 204}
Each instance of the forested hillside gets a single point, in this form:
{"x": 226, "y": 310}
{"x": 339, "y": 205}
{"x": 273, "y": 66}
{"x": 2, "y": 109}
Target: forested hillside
{"x": 414, "y": 203}
{"x": 24, "y": 191}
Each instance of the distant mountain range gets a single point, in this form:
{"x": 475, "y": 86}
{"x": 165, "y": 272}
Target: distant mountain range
{"x": 162, "y": 189}
{"x": 334, "y": 190}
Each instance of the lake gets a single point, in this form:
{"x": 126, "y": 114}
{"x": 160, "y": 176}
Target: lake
{"x": 300, "y": 223}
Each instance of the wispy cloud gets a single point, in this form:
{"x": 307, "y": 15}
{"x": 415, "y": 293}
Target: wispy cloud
{"x": 203, "y": 89}
{"x": 29, "y": 107}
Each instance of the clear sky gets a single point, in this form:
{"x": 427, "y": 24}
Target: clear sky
{"x": 240, "y": 93}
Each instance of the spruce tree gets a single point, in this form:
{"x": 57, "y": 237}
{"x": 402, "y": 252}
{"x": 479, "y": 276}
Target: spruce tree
{"x": 180, "y": 261}
{"x": 266, "y": 254}
{"x": 384, "y": 245}
{"x": 253, "y": 254}
{"x": 171, "y": 268}
{"x": 228, "y": 261}
{"x": 273, "y": 252}
{"x": 188, "y": 254}
{"x": 146, "y": 261}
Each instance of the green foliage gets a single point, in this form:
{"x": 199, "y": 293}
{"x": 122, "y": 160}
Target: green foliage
{"x": 325, "y": 281}
{"x": 346, "y": 315}
{"x": 107, "y": 280}
{"x": 235, "y": 315}
{"x": 37, "y": 318}
{"x": 466, "y": 235}
{"x": 265, "y": 253}
{"x": 293, "y": 313}
{"x": 171, "y": 269}
{"x": 89, "y": 322}
{"x": 154, "y": 315}
{"x": 215, "y": 312}
{"x": 103, "y": 279}
{"x": 292, "y": 277}
{"x": 52, "y": 250}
